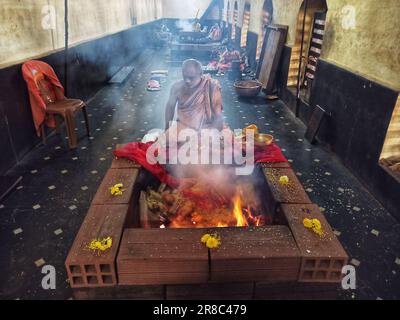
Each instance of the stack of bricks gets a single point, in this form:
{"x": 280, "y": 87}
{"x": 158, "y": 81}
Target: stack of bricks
{"x": 107, "y": 217}
{"x": 322, "y": 257}
{"x": 176, "y": 256}
{"x": 278, "y": 193}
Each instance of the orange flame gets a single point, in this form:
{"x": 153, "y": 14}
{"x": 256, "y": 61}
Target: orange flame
{"x": 241, "y": 220}
{"x": 208, "y": 212}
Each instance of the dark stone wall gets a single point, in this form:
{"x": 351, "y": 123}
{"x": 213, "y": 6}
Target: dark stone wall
{"x": 90, "y": 65}
{"x": 252, "y": 39}
{"x": 236, "y": 41}
{"x": 282, "y": 73}
{"x": 359, "y": 113}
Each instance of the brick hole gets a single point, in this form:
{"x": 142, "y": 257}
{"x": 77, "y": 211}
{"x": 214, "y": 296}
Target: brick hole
{"x": 310, "y": 264}
{"x": 338, "y": 264}
{"x": 307, "y": 275}
{"x": 321, "y": 275}
{"x": 75, "y": 269}
{"x": 90, "y": 268}
{"x": 77, "y": 280}
{"x": 105, "y": 268}
{"x": 324, "y": 264}
{"x": 92, "y": 280}
{"x": 107, "y": 279}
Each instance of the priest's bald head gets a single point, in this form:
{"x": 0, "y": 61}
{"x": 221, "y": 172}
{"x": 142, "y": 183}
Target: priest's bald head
{"x": 192, "y": 72}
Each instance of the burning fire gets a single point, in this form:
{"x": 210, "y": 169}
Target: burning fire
{"x": 238, "y": 212}
{"x": 211, "y": 210}
{"x": 204, "y": 202}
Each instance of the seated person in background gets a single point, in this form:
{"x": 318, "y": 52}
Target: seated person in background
{"x": 215, "y": 33}
{"x": 164, "y": 29}
{"x": 244, "y": 61}
{"x": 197, "y": 100}
{"x": 164, "y": 35}
{"x": 226, "y": 58}
{"x": 197, "y": 26}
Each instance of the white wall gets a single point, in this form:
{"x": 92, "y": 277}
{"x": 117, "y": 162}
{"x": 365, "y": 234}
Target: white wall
{"x": 147, "y": 10}
{"x": 23, "y": 37}
{"x": 184, "y": 9}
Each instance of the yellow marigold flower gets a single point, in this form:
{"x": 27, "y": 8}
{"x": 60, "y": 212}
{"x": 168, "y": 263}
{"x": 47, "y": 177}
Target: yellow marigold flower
{"x": 316, "y": 224}
{"x": 205, "y": 237}
{"x": 308, "y": 223}
{"x": 101, "y": 245}
{"x": 284, "y": 180}
{"x": 213, "y": 242}
{"x": 117, "y": 190}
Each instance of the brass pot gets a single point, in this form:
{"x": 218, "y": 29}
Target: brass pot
{"x": 247, "y": 88}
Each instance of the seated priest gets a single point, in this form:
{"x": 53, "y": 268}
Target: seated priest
{"x": 195, "y": 101}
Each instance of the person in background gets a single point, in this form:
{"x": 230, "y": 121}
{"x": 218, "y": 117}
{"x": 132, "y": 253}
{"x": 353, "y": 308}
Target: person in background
{"x": 215, "y": 33}
{"x": 197, "y": 26}
{"x": 164, "y": 35}
{"x": 244, "y": 60}
{"x": 164, "y": 29}
{"x": 226, "y": 59}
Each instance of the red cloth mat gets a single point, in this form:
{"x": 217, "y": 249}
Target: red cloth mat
{"x": 269, "y": 154}
{"x": 136, "y": 151}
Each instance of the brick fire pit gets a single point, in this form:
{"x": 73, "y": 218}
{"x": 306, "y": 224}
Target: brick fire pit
{"x": 283, "y": 260}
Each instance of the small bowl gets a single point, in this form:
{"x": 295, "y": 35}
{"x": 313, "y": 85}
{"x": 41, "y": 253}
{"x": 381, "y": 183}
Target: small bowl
{"x": 248, "y": 88}
{"x": 262, "y": 139}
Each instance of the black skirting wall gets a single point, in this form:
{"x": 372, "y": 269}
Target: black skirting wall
{"x": 229, "y": 31}
{"x": 282, "y": 76}
{"x": 236, "y": 42}
{"x": 359, "y": 111}
{"x": 90, "y": 65}
{"x": 252, "y": 39}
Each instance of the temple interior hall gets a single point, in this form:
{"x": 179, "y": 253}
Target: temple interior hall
{"x": 309, "y": 88}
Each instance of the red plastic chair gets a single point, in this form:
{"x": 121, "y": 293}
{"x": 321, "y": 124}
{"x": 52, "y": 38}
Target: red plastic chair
{"x": 48, "y": 102}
